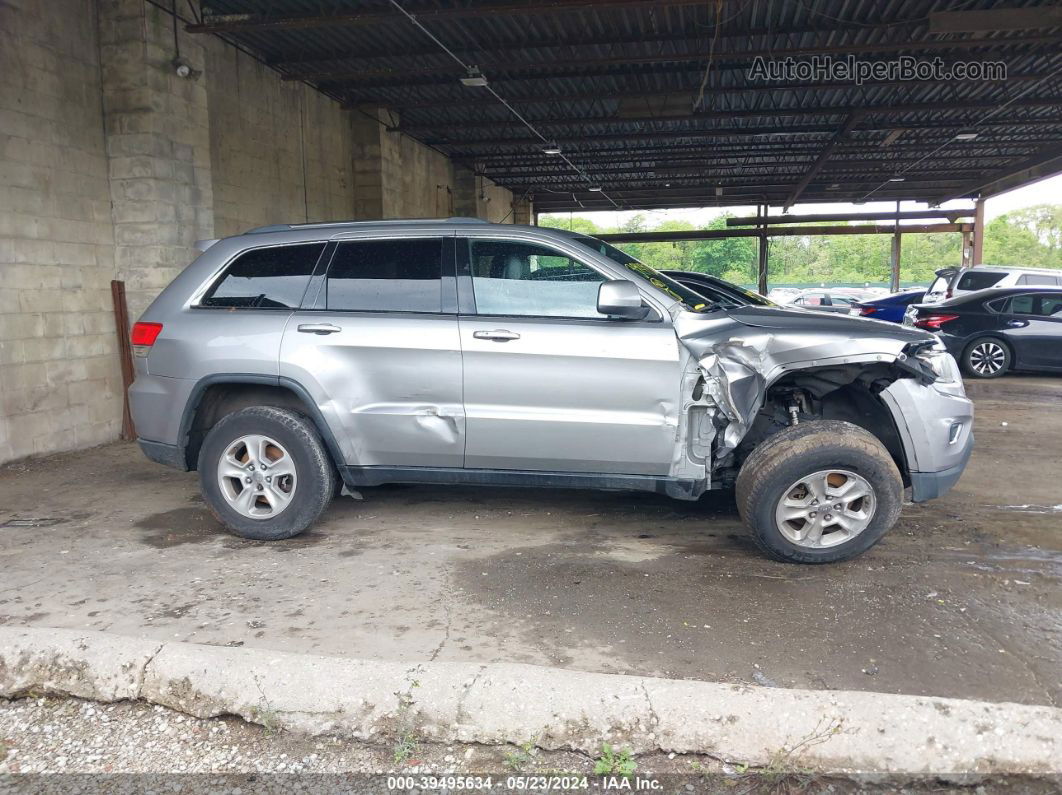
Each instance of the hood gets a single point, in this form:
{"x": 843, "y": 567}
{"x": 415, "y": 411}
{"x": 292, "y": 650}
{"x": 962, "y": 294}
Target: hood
{"x": 809, "y": 321}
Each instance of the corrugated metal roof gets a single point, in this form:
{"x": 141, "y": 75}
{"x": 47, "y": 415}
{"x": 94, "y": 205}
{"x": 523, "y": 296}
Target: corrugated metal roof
{"x": 615, "y": 83}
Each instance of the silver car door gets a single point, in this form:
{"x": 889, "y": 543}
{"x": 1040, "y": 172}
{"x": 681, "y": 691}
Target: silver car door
{"x": 549, "y": 383}
{"x": 378, "y": 350}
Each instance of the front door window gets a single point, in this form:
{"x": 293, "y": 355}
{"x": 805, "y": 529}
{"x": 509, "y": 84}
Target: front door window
{"x": 514, "y": 278}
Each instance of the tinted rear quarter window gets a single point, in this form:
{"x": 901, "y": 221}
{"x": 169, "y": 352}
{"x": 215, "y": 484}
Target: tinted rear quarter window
{"x": 1038, "y": 278}
{"x": 386, "y": 276}
{"x": 978, "y": 280}
{"x": 266, "y": 278}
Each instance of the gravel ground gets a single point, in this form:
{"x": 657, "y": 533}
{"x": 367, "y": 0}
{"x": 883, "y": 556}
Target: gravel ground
{"x": 135, "y": 747}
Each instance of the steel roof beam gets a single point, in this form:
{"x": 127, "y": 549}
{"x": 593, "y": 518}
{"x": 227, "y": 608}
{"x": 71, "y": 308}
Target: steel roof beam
{"x": 849, "y": 124}
{"x": 734, "y": 132}
{"x": 906, "y": 215}
{"x": 239, "y": 23}
{"x": 722, "y": 234}
{"x": 738, "y": 60}
{"x": 831, "y": 110}
{"x": 465, "y": 100}
{"x": 1045, "y": 163}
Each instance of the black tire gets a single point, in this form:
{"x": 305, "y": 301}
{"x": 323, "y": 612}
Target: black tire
{"x": 975, "y": 356}
{"x": 316, "y": 478}
{"x": 798, "y": 451}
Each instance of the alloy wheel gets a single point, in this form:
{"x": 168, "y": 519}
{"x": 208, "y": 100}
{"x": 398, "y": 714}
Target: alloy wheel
{"x": 257, "y": 476}
{"x": 987, "y": 358}
{"x": 825, "y": 508}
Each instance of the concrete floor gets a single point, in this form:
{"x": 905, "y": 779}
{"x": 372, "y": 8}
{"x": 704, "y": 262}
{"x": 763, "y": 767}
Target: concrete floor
{"x": 961, "y": 599}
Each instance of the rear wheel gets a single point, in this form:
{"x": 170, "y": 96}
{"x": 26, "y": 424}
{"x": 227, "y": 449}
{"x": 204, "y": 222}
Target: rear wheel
{"x": 986, "y": 357}
{"x": 819, "y": 492}
{"x": 265, "y": 473}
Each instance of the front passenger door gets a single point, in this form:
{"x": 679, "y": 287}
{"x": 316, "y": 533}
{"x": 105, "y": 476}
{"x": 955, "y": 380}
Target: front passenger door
{"x": 1034, "y": 328}
{"x": 550, "y": 384}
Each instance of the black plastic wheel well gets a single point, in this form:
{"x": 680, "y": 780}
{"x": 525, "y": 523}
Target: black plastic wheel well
{"x": 219, "y": 400}
{"x": 848, "y": 393}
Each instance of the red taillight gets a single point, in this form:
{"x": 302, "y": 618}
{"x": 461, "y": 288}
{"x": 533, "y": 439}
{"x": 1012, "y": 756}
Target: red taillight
{"x": 143, "y": 337}
{"x": 933, "y": 322}
{"x": 867, "y": 310}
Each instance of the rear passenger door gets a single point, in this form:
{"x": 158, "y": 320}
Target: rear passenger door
{"x": 376, "y": 344}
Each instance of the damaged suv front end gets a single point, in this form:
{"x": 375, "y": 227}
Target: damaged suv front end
{"x": 756, "y": 360}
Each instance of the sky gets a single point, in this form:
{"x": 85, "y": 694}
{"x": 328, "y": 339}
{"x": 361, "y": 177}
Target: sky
{"x": 1048, "y": 191}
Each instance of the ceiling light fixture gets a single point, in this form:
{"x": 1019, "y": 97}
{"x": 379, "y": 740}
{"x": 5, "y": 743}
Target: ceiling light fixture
{"x": 474, "y": 78}
{"x": 895, "y": 179}
{"x": 595, "y": 189}
{"x": 551, "y": 149}
{"x": 966, "y": 136}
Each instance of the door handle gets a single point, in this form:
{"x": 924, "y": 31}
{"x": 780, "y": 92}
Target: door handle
{"x": 319, "y": 328}
{"x": 497, "y": 335}
{"x": 1017, "y": 323}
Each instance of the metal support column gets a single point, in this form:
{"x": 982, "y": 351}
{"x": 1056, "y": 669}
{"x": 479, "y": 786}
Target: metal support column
{"x": 894, "y": 282}
{"x": 967, "y": 250}
{"x": 978, "y": 232}
{"x": 761, "y": 282}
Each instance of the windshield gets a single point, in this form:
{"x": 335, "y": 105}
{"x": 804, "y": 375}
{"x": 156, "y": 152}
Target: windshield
{"x": 750, "y": 297}
{"x": 684, "y": 295}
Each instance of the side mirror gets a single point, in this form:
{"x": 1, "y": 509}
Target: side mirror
{"x": 620, "y": 298}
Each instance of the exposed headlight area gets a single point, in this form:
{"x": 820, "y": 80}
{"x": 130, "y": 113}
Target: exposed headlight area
{"x": 938, "y": 366}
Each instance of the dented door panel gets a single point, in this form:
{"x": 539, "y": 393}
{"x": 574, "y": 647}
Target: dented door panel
{"x": 390, "y": 382}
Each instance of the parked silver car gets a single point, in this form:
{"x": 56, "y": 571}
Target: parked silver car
{"x": 291, "y": 360}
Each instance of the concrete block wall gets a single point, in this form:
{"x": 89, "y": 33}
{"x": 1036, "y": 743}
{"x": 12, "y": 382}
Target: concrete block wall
{"x": 396, "y": 176}
{"x": 112, "y": 166}
{"x": 158, "y": 146}
{"x": 281, "y": 152}
{"x": 59, "y": 376}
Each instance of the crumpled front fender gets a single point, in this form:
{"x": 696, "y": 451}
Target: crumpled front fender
{"x": 740, "y": 362}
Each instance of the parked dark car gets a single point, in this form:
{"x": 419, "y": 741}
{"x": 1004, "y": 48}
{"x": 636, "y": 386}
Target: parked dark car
{"x": 720, "y": 291}
{"x": 991, "y": 332}
{"x": 890, "y": 308}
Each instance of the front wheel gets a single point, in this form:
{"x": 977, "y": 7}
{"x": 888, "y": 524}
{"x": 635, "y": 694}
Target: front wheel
{"x": 265, "y": 473}
{"x": 819, "y": 492}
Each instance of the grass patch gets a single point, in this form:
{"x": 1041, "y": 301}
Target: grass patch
{"x": 615, "y": 763}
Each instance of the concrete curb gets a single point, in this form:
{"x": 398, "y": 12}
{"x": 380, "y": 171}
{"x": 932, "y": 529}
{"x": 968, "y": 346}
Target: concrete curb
{"x": 832, "y": 732}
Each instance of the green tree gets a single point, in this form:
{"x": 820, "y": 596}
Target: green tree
{"x": 1031, "y": 236}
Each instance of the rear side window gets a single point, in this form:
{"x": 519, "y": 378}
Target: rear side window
{"x": 1038, "y": 278}
{"x": 1049, "y": 305}
{"x": 939, "y": 284}
{"x": 978, "y": 280}
{"x": 386, "y": 276}
{"x": 266, "y": 278}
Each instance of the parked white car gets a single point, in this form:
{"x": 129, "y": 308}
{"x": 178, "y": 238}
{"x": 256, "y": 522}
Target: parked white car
{"x": 953, "y": 282}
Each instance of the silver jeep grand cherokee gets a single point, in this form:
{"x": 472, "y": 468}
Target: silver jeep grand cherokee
{"x": 290, "y": 361}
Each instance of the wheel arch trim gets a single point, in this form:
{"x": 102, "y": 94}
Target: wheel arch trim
{"x": 195, "y": 398}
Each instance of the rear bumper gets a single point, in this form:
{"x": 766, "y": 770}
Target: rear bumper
{"x": 161, "y": 453}
{"x": 930, "y": 485}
